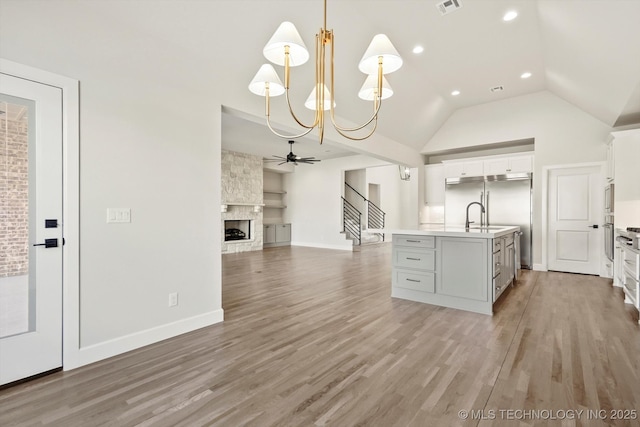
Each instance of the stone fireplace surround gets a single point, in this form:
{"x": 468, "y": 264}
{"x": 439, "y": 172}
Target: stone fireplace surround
{"x": 242, "y": 182}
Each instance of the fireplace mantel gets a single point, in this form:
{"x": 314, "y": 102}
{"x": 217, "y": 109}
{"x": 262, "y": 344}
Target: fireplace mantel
{"x": 257, "y": 207}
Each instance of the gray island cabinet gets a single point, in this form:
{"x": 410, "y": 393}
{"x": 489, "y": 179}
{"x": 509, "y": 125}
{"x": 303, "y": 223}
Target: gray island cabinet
{"x": 453, "y": 267}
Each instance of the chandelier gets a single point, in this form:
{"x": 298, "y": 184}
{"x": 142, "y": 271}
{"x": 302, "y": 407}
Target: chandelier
{"x": 286, "y": 48}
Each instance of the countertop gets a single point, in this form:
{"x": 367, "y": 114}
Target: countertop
{"x": 451, "y": 230}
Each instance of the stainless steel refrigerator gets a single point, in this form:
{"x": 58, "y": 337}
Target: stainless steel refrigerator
{"x": 507, "y": 201}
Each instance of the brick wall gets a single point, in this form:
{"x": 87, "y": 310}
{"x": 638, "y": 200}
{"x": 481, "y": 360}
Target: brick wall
{"x": 14, "y": 198}
{"x": 242, "y": 183}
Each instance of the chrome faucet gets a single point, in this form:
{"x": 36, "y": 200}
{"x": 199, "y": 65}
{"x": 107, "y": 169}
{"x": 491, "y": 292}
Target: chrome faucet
{"x": 467, "y": 222}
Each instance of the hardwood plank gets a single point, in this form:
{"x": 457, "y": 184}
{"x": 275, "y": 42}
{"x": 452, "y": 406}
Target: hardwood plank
{"x": 312, "y": 337}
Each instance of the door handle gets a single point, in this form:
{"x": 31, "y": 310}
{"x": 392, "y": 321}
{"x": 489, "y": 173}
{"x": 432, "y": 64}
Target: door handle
{"x": 593, "y": 226}
{"x": 48, "y": 243}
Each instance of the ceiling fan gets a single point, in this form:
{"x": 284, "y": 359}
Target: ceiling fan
{"x": 292, "y": 158}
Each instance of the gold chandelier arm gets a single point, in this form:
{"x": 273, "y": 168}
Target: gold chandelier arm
{"x": 287, "y": 136}
{"x": 373, "y": 117}
{"x": 315, "y": 123}
{"x": 376, "y": 106}
{"x": 287, "y": 74}
{"x": 268, "y": 115}
{"x": 353, "y": 138}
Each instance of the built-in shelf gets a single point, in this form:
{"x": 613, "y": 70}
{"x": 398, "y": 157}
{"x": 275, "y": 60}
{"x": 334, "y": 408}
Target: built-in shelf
{"x": 257, "y": 207}
{"x": 274, "y": 198}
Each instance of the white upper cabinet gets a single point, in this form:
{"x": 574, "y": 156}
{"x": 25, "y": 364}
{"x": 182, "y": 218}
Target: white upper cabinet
{"x": 504, "y": 165}
{"x": 434, "y": 184}
{"x": 491, "y": 165}
{"x": 456, "y": 169}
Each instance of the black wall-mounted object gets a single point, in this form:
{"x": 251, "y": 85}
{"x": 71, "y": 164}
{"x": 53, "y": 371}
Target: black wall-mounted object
{"x": 50, "y": 223}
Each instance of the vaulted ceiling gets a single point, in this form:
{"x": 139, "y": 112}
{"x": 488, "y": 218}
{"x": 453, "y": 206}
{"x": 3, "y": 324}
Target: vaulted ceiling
{"x": 586, "y": 52}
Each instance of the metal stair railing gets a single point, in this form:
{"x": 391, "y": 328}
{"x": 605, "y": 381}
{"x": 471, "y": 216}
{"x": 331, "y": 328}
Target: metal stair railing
{"x": 351, "y": 220}
{"x": 375, "y": 215}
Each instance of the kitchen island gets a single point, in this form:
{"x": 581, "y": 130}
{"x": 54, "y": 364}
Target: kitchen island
{"x": 451, "y": 266}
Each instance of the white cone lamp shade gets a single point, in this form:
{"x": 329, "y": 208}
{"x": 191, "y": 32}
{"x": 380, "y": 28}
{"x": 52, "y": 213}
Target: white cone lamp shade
{"x": 286, "y": 35}
{"x": 380, "y": 46}
{"x": 266, "y": 74}
{"x": 369, "y": 89}
{"x": 310, "y": 103}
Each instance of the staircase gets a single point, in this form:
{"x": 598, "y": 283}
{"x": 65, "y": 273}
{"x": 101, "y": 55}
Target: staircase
{"x": 352, "y": 225}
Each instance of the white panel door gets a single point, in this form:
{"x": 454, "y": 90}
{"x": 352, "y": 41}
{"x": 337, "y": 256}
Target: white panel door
{"x": 575, "y": 211}
{"x": 30, "y": 193}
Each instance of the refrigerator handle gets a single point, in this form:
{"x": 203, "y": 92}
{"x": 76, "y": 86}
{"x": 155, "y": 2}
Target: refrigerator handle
{"x": 482, "y": 213}
{"x": 487, "y": 208}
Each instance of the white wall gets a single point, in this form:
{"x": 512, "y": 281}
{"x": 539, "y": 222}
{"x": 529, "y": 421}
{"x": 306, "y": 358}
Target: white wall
{"x": 315, "y": 207}
{"x": 148, "y": 143}
{"x": 398, "y": 199}
{"x": 563, "y": 134}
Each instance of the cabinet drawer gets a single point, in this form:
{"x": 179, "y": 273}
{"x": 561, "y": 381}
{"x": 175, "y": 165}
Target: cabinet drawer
{"x": 496, "y": 263}
{"x": 508, "y": 240}
{"x": 498, "y": 287}
{"x": 497, "y": 245}
{"x": 416, "y": 281}
{"x": 414, "y": 258}
{"x": 414, "y": 241}
{"x": 630, "y": 262}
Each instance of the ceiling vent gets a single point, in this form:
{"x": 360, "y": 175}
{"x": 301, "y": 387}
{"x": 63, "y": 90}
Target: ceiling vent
{"x": 448, "y": 6}
{"x": 497, "y": 88}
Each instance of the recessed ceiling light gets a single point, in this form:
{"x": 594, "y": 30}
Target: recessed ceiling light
{"x": 455, "y": 93}
{"x": 418, "y": 49}
{"x": 510, "y": 16}
{"x": 525, "y": 75}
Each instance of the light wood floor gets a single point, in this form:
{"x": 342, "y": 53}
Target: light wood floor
{"x": 312, "y": 337}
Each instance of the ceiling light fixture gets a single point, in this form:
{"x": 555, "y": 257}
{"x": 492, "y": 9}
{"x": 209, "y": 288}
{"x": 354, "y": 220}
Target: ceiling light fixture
{"x": 455, "y": 93}
{"x": 287, "y": 49}
{"x": 418, "y": 49}
{"x": 510, "y": 16}
{"x": 525, "y": 75}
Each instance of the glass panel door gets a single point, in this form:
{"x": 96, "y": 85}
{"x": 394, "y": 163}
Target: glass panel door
{"x": 17, "y": 294}
{"x": 30, "y": 228}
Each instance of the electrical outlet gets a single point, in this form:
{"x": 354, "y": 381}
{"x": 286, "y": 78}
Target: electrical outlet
{"x": 173, "y": 299}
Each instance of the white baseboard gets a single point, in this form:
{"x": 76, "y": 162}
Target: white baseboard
{"x": 104, "y": 350}
{"x": 539, "y": 267}
{"x": 348, "y": 247}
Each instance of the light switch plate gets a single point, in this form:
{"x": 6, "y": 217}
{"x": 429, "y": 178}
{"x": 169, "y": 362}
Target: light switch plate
{"x": 118, "y": 215}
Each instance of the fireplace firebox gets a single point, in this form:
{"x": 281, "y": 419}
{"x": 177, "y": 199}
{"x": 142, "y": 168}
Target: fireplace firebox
{"x": 237, "y": 229}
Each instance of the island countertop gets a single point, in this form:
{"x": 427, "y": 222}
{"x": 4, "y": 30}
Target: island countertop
{"x": 486, "y": 232}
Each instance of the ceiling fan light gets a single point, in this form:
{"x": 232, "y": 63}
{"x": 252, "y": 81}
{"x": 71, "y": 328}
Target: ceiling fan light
{"x": 286, "y": 35}
{"x": 266, "y": 74}
{"x": 369, "y": 88}
{"x": 380, "y": 46}
{"x": 310, "y": 103}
